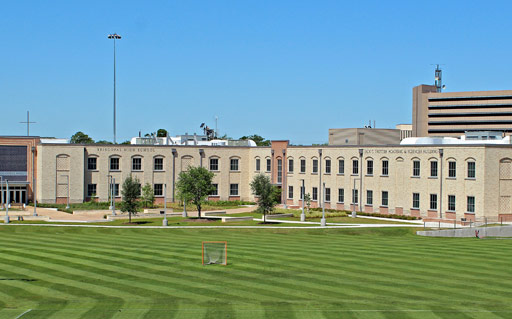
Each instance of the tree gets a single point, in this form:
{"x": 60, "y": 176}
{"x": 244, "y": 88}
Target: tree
{"x": 307, "y": 200}
{"x": 195, "y": 184}
{"x": 81, "y": 138}
{"x": 259, "y": 140}
{"x": 148, "y": 196}
{"x": 103, "y": 142}
{"x": 268, "y": 194}
{"x": 126, "y": 143}
{"x": 130, "y": 192}
{"x": 161, "y": 133}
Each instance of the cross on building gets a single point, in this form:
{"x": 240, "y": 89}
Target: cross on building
{"x": 28, "y": 123}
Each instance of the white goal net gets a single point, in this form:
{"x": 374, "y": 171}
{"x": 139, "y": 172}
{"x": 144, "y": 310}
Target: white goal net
{"x": 215, "y": 252}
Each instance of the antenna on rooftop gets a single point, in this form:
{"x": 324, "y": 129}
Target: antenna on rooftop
{"x": 438, "y": 82}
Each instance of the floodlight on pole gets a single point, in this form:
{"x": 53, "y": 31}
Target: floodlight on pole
{"x": 115, "y": 37}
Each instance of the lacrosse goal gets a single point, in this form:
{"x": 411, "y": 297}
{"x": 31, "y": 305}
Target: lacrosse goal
{"x": 215, "y": 252}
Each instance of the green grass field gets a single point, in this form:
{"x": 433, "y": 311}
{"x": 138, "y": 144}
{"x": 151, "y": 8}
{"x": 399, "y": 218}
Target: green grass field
{"x": 62, "y": 272}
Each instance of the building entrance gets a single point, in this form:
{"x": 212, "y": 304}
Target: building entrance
{"x": 17, "y": 194}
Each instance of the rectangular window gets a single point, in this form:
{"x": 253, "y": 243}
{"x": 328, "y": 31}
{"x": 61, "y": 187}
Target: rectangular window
{"x": 452, "y": 169}
{"x": 269, "y": 165}
{"x": 233, "y": 189}
{"x": 385, "y": 198}
{"x": 116, "y": 190}
{"x": 234, "y": 164}
{"x": 433, "y": 169}
{"x": 369, "y": 197}
{"x": 385, "y": 168}
{"x": 301, "y": 192}
{"x": 327, "y": 166}
{"x": 355, "y": 196}
{"x": 327, "y": 194}
{"x": 290, "y": 165}
{"x": 315, "y": 166}
{"x": 355, "y": 167}
{"x": 91, "y": 163}
{"x": 471, "y": 169}
{"x": 290, "y": 192}
{"x": 341, "y": 166}
{"x": 341, "y": 195}
{"x": 258, "y": 163}
{"x": 433, "y": 201}
{"x": 158, "y": 164}
{"x": 303, "y": 166}
{"x": 136, "y": 164}
{"x": 369, "y": 167}
{"x": 471, "y": 204}
{"x": 315, "y": 193}
{"x": 416, "y": 200}
{"x": 416, "y": 168}
{"x": 158, "y": 189}
{"x": 91, "y": 190}
{"x": 279, "y": 171}
{"x": 451, "y": 202}
{"x": 214, "y": 164}
{"x": 215, "y": 191}
{"x": 114, "y": 163}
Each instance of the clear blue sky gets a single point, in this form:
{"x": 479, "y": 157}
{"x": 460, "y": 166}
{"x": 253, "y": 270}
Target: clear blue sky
{"x": 280, "y": 69}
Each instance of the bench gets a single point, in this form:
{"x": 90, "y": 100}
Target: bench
{"x": 18, "y": 205}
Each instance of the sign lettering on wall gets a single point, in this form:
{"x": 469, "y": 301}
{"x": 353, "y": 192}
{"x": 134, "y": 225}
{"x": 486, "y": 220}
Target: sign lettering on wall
{"x": 126, "y": 149}
{"x": 401, "y": 151}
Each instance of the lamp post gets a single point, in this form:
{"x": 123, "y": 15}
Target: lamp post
{"x": 354, "y": 214}
{"x": 110, "y": 190}
{"x": 113, "y": 196}
{"x": 8, "y": 202}
{"x": 115, "y": 37}
{"x": 322, "y": 222}
{"x": 34, "y": 180}
{"x": 303, "y": 191}
{"x": 164, "y": 223}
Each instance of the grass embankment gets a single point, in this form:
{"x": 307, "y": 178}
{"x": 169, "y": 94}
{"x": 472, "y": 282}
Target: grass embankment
{"x": 331, "y": 217}
{"x": 156, "y": 273}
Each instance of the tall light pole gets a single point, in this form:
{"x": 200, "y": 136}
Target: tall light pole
{"x": 303, "y": 194}
{"x": 164, "y": 223}
{"x": 115, "y": 37}
{"x": 8, "y": 202}
{"x": 34, "y": 180}
{"x": 322, "y": 222}
{"x": 2, "y": 192}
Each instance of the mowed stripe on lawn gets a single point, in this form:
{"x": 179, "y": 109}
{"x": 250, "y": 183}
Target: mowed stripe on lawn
{"x": 154, "y": 273}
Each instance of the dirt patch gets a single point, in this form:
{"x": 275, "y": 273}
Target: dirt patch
{"x": 137, "y": 223}
{"x": 199, "y": 220}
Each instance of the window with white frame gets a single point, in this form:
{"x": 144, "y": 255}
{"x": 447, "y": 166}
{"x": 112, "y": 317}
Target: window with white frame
{"x": 214, "y": 164}
{"x": 369, "y": 197}
{"x": 290, "y": 165}
{"x": 433, "y": 202}
{"x": 385, "y": 198}
{"x": 471, "y": 204}
{"x": 315, "y": 166}
{"x": 158, "y": 189}
{"x": 327, "y": 166}
{"x": 315, "y": 193}
{"x": 233, "y": 164}
{"x": 452, "y": 169}
{"x": 416, "y": 200}
{"x": 269, "y": 165}
{"x": 233, "y": 189}
{"x": 327, "y": 194}
{"x": 433, "y": 169}
{"x": 258, "y": 164}
{"x": 114, "y": 163}
{"x": 341, "y": 166}
{"x": 385, "y": 167}
{"x": 290, "y": 192}
{"x": 158, "y": 164}
{"x": 92, "y": 163}
{"x": 303, "y": 166}
{"x": 341, "y": 195}
{"x": 416, "y": 168}
{"x": 116, "y": 190}
{"x": 91, "y": 190}
{"x": 369, "y": 167}
{"x": 355, "y": 167}
{"x": 471, "y": 169}
{"x": 136, "y": 163}
{"x": 451, "y": 202}
{"x": 279, "y": 171}
{"x": 215, "y": 190}
{"x": 355, "y": 196}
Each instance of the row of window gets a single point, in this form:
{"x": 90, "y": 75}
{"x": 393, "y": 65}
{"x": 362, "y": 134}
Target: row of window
{"x": 158, "y": 190}
{"x": 114, "y": 163}
{"x": 384, "y": 198}
{"x": 452, "y": 169}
